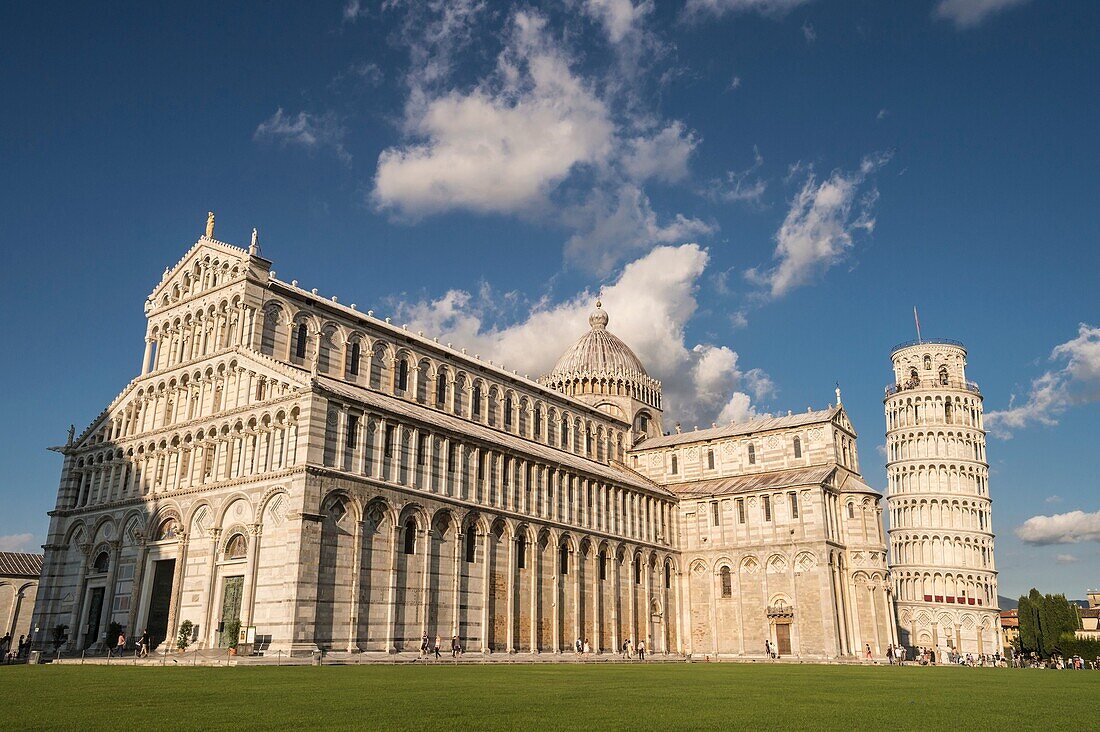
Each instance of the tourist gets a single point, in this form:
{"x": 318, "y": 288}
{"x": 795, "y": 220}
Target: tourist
{"x": 890, "y": 654}
{"x": 22, "y": 646}
{"x": 435, "y": 648}
{"x": 768, "y": 648}
{"x": 120, "y": 644}
{"x": 455, "y": 647}
{"x": 587, "y": 648}
{"x": 867, "y": 653}
{"x": 143, "y": 644}
{"x": 626, "y": 649}
{"x": 578, "y": 647}
{"x": 424, "y": 646}
{"x": 641, "y": 650}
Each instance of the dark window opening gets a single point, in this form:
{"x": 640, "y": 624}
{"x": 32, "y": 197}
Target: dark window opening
{"x": 714, "y": 513}
{"x": 508, "y": 412}
{"x": 353, "y": 430}
{"x": 300, "y": 343}
{"x": 752, "y": 454}
{"x": 471, "y": 545}
{"x": 675, "y": 465}
{"x": 563, "y": 559}
{"x": 727, "y": 582}
{"x": 740, "y": 510}
{"x": 767, "y": 508}
{"x": 797, "y": 447}
{"x": 603, "y": 566}
{"x": 387, "y": 441}
{"x": 410, "y": 536}
{"x": 353, "y": 367}
{"x": 476, "y": 405}
{"x": 521, "y": 552}
{"x": 102, "y": 563}
{"x": 710, "y": 459}
{"x": 794, "y": 505}
{"x": 402, "y": 375}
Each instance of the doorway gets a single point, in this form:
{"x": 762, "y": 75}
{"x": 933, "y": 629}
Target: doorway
{"x": 232, "y": 589}
{"x": 95, "y": 613}
{"x": 783, "y": 639}
{"x": 160, "y": 601}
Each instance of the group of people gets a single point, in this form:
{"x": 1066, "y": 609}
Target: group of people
{"x": 629, "y": 649}
{"x": 427, "y": 648}
{"x": 10, "y": 654}
{"x": 936, "y": 657}
{"x": 1056, "y": 662}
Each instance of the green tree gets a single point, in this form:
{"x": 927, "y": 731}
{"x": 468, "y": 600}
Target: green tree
{"x": 1045, "y": 621}
{"x": 183, "y": 639}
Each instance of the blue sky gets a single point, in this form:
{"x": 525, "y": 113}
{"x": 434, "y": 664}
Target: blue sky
{"x": 761, "y": 190}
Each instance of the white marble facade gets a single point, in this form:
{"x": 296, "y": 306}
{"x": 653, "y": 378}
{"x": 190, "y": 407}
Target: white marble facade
{"x": 333, "y": 480}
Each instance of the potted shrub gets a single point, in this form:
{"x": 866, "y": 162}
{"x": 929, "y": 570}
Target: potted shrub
{"x": 183, "y": 638}
{"x": 58, "y": 636}
{"x": 232, "y": 633}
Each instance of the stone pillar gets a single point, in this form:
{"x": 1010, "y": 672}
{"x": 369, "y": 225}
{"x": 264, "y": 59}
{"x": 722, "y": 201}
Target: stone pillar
{"x": 578, "y": 618}
{"x": 616, "y": 601}
{"x": 391, "y": 604}
{"x": 206, "y": 616}
{"x": 356, "y": 569}
{"x": 116, "y": 554}
{"x": 485, "y": 619}
{"x": 459, "y": 539}
{"x": 177, "y": 590}
{"x": 536, "y": 563}
{"x": 146, "y": 359}
{"x": 425, "y": 583}
{"x": 248, "y": 603}
{"x": 512, "y": 594}
{"x": 597, "y": 602}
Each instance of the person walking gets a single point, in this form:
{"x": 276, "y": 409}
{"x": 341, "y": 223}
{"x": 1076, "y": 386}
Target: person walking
{"x": 120, "y": 644}
{"x": 587, "y": 648}
{"x": 890, "y": 654}
{"x": 424, "y": 646}
{"x": 455, "y": 646}
{"x": 641, "y": 650}
{"x": 435, "y": 648}
{"x": 767, "y": 648}
{"x": 143, "y": 644}
{"x": 867, "y": 653}
{"x": 626, "y": 646}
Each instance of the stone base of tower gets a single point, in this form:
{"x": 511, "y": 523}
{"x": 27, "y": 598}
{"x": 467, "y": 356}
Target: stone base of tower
{"x": 945, "y": 628}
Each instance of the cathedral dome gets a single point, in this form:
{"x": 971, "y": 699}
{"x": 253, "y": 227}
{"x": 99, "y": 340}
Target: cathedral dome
{"x": 597, "y": 352}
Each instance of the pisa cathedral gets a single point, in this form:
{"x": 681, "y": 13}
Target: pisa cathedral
{"x": 327, "y": 479}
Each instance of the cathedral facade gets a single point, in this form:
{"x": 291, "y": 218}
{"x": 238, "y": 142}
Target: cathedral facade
{"x": 294, "y": 472}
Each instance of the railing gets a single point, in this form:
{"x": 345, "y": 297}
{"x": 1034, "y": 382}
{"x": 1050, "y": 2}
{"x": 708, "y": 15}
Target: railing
{"x": 932, "y": 384}
{"x": 927, "y": 341}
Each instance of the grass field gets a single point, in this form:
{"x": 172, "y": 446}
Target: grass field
{"x": 566, "y": 696}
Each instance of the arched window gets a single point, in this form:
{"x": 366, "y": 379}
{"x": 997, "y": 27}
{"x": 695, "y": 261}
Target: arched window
{"x": 475, "y": 407}
{"x": 441, "y": 388}
{"x": 102, "y": 563}
{"x": 168, "y": 529}
{"x": 851, "y": 510}
{"x": 300, "y": 341}
{"x": 353, "y": 365}
{"x": 637, "y": 572}
{"x": 563, "y": 559}
{"x": 236, "y": 547}
{"x": 947, "y": 416}
{"x": 603, "y": 566}
{"x": 675, "y": 465}
{"x": 668, "y": 576}
{"x": 928, "y": 362}
{"x": 797, "y": 447}
{"x": 410, "y": 536}
{"x": 402, "y": 375}
{"x": 943, "y": 375}
{"x": 752, "y": 454}
{"x": 471, "y": 545}
{"x": 538, "y": 422}
{"x": 727, "y": 582}
{"x": 508, "y": 413}
{"x": 521, "y": 552}
{"x": 564, "y": 431}
{"x": 643, "y": 423}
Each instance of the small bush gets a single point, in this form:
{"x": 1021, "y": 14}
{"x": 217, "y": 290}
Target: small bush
{"x": 183, "y": 638}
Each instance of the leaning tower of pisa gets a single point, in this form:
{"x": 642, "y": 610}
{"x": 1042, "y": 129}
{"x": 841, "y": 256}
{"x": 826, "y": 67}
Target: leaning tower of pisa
{"x": 941, "y": 535}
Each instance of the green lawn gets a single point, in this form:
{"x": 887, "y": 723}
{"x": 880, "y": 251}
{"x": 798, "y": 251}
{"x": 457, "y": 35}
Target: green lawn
{"x": 594, "y": 697}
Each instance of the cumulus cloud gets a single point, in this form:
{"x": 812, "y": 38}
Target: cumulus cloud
{"x": 1062, "y": 528}
{"x": 1075, "y": 382}
{"x": 650, "y": 305}
{"x": 969, "y": 13}
{"x": 15, "y": 542}
{"x": 506, "y": 144}
{"x": 620, "y": 19}
{"x": 613, "y": 224}
{"x": 721, "y": 7}
{"x": 820, "y": 227}
{"x": 304, "y": 130}
{"x": 663, "y": 155}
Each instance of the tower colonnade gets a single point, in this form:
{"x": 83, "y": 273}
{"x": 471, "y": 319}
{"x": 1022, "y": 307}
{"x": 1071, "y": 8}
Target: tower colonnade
{"x": 941, "y": 533}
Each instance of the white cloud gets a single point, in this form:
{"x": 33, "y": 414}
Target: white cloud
{"x": 663, "y": 156}
{"x": 1063, "y": 528}
{"x": 1066, "y": 559}
{"x": 882, "y": 114}
{"x": 619, "y": 18}
{"x": 505, "y": 145}
{"x": 1053, "y": 499}
{"x": 735, "y": 83}
{"x": 305, "y": 130}
{"x": 969, "y": 13}
{"x": 721, "y": 7}
{"x": 741, "y": 186}
{"x": 15, "y": 542}
{"x": 819, "y": 229}
{"x": 613, "y": 224}
{"x": 650, "y": 306}
{"x": 808, "y": 32}
{"x": 1075, "y": 383}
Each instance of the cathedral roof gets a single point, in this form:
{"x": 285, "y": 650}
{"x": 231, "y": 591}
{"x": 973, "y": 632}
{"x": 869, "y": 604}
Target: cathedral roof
{"x": 20, "y": 564}
{"x": 760, "y": 424}
{"x": 597, "y": 352}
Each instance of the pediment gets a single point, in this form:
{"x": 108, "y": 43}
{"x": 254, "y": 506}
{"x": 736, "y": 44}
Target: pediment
{"x": 260, "y": 364}
{"x": 841, "y": 420}
{"x": 207, "y": 264}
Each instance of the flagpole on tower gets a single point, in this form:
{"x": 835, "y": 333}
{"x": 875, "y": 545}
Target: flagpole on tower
{"x": 916, "y": 319}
